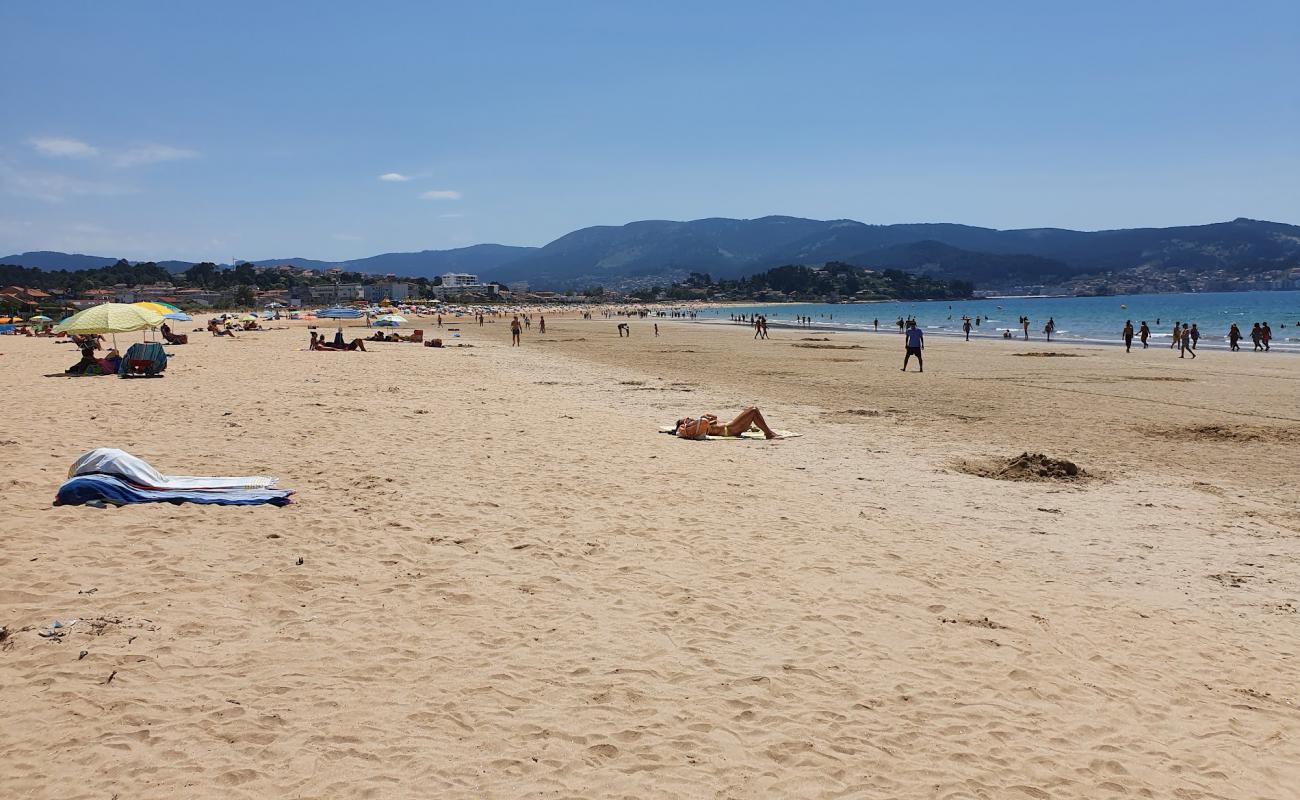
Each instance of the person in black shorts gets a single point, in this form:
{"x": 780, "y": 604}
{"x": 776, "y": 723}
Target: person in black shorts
{"x": 915, "y": 341}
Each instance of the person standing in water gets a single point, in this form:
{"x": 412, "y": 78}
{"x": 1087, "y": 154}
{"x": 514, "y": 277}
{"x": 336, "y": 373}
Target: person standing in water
{"x": 1128, "y": 336}
{"x": 1025, "y": 322}
{"x": 1049, "y": 327}
{"x": 914, "y": 340}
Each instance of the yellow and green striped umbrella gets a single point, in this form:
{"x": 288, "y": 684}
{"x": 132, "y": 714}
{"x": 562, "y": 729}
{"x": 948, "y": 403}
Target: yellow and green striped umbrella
{"x": 161, "y": 308}
{"x": 110, "y": 318}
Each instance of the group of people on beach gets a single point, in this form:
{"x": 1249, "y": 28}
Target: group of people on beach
{"x": 1260, "y": 334}
{"x": 1185, "y": 336}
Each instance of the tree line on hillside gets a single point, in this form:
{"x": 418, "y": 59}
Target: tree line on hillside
{"x": 205, "y": 275}
{"x": 835, "y": 281}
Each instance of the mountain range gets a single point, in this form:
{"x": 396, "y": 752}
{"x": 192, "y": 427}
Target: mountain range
{"x": 660, "y": 251}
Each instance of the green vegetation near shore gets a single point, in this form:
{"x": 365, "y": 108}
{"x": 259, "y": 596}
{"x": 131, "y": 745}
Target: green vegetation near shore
{"x": 834, "y": 282}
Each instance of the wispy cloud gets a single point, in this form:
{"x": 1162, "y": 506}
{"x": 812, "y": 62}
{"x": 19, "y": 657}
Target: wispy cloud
{"x": 63, "y": 147}
{"x": 394, "y": 177}
{"x": 68, "y": 147}
{"x": 440, "y": 194}
{"x": 345, "y": 237}
{"x": 151, "y": 154}
{"x": 53, "y": 187}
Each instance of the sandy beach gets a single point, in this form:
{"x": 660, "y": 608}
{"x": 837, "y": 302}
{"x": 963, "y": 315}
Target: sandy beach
{"x": 498, "y": 580}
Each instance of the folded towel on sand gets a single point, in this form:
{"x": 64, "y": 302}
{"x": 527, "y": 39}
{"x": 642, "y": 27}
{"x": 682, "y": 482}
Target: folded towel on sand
{"x": 111, "y": 490}
{"x": 748, "y": 435}
{"x": 111, "y": 461}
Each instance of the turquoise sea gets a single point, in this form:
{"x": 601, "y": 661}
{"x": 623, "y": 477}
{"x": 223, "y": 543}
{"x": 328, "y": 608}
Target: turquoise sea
{"x": 1082, "y": 319}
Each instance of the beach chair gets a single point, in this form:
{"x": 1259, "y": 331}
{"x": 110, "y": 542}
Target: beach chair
{"x": 143, "y": 359}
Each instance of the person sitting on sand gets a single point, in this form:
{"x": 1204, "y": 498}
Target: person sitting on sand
{"x": 87, "y": 361}
{"x": 707, "y": 425}
{"x": 216, "y": 330}
{"x": 319, "y": 343}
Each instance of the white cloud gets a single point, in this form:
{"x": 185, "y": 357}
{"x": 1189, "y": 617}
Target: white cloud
{"x": 394, "y": 177}
{"x": 345, "y": 237}
{"x": 440, "y": 194}
{"x": 63, "y": 147}
{"x": 151, "y": 154}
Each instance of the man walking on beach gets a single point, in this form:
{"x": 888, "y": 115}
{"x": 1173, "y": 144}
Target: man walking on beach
{"x": 1128, "y": 336}
{"x": 965, "y": 327}
{"x": 515, "y": 330}
{"x": 914, "y": 340}
{"x": 1145, "y": 333}
{"x": 1184, "y": 342}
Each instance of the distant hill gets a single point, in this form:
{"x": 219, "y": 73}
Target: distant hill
{"x": 480, "y": 258}
{"x": 51, "y": 260}
{"x": 661, "y": 251}
{"x": 729, "y": 248}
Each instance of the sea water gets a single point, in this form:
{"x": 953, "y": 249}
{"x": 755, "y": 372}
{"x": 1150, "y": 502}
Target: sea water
{"x": 1098, "y": 320}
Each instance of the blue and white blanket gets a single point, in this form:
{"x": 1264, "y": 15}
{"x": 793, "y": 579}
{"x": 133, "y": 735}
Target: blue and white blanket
{"x": 110, "y": 476}
{"x": 111, "y": 490}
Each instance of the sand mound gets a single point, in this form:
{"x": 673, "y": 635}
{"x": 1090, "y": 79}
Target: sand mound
{"x": 1026, "y": 467}
{"x": 1049, "y": 354}
{"x": 829, "y": 346}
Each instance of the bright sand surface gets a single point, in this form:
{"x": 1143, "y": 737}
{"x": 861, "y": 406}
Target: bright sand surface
{"x": 512, "y": 586}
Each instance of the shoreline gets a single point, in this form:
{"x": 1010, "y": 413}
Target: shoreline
{"x": 1284, "y": 347}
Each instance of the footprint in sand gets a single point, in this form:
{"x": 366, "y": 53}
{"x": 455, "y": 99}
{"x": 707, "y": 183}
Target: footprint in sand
{"x": 601, "y": 751}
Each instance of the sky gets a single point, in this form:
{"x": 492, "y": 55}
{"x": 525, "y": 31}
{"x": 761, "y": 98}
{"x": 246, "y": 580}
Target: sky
{"x": 336, "y": 130}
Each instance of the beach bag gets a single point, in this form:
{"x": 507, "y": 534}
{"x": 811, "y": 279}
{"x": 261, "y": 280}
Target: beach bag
{"x": 691, "y": 428}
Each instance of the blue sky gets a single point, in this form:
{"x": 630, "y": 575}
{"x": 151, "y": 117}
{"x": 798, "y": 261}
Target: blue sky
{"x": 260, "y": 130}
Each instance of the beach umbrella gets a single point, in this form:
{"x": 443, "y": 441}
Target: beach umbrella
{"x": 338, "y": 312}
{"x": 179, "y": 316}
{"x": 390, "y": 319}
{"x": 40, "y": 318}
{"x": 110, "y": 318}
{"x": 160, "y": 307}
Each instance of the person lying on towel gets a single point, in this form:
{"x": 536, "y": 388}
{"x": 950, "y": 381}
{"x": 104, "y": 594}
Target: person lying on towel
{"x": 707, "y": 425}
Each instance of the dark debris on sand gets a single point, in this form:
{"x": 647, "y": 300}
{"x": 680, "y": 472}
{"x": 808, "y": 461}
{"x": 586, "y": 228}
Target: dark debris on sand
{"x": 1026, "y": 467}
